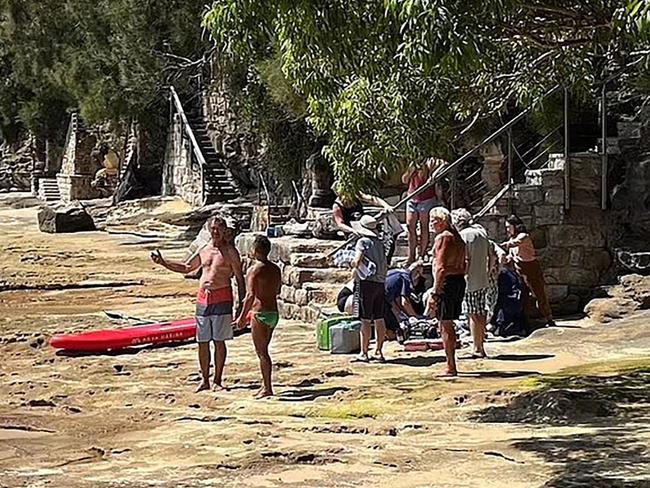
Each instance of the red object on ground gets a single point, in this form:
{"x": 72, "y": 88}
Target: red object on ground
{"x": 421, "y": 345}
{"x": 106, "y": 340}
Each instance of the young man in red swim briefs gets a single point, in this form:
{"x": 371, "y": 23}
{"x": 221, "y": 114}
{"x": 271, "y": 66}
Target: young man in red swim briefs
{"x": 220, "y": 261}
{"x": 260, "y": 308}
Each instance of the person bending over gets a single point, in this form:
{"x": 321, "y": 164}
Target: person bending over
{"x": 521, "y": 250}
{"x": 449, "y": 281}
{"x": 400, "y": 285}
{"x": 260, "y": 308}
{"x": 219, "y": 261}
{"x": 345, "y": 298}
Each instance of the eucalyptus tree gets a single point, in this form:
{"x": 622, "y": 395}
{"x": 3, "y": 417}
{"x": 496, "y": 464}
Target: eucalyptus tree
{"x": 390, "y": 82}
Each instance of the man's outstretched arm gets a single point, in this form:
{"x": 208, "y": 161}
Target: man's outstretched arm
{"x": 177, "y": 266}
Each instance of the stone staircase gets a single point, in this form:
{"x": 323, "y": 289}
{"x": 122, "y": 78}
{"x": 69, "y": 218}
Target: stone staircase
{"x": 218, "y": 183}
{"x": 280, "y": 214}
{"x": 310, "y": 284}
{"x": 48, "y": 190}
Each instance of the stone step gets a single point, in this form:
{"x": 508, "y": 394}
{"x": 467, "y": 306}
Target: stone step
{"x": 283, "y": 248}
{"x": 310, "y": 260}
{"x": 311, "y": 314}
{"x": 322, "y": 293}
{"x": 296, "y": 277}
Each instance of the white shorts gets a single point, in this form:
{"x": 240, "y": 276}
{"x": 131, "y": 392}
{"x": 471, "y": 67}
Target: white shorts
{"x": 214, "y": 328}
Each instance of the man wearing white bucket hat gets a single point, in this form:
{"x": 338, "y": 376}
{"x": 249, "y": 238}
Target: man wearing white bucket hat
{"x": 370, "y": 273}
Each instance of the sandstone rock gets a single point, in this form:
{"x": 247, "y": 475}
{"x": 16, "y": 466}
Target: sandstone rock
{"x": 575, "y": 235}
{"x": 545, "y": 177}
{"x": 554, "y": 257}
{"x": 554, "y": 196}
{"x": 322, "y": 293}
{"x": 324, "y": 226}
{"x": 285, "y": 247}
{"x": 528, "y": 195}
{"x": 64, "y": 218}
{"x": 313, "y": 260}
{"x": 557, "y": 293}
{"x": 297, "y": 276}
{"x": 568, "y": 275}
{"x": 608, "y": 309}
{"x": 568, "y": 306}
{"x": 576, "y": 256}
{"x": 633, "y": 293}
{"x": 293, "y": 228}
{"x": 599, "y": 260}
{"x": 548, "y": 214}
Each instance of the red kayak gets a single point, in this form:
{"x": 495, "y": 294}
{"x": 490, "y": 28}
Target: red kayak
{"x": 106, "y": 340}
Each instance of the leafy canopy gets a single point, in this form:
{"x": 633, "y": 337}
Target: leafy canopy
{"x": 391, "y": 82}
{"x": 110, "y": 59}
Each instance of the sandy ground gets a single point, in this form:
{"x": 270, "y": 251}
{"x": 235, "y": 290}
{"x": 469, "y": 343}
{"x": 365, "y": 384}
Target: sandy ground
{"x": 133, "y": 419}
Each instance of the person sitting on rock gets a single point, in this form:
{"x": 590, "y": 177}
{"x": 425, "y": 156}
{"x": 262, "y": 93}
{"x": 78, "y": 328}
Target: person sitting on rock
{"x": 347, "y": 210}
{"x": 522, "y": 253}
{"x": 260, "y": 307}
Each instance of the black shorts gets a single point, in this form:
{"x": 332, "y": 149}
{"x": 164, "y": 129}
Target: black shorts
{"x": 372, "y": 303}
{"x": 342, "y": 299}
{"x": 450, "y": 305}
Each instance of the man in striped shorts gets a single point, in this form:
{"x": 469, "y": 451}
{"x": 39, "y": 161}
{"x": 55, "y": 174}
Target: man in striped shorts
{"x": 219, "y": 262}
{"x": 477, "y": 249}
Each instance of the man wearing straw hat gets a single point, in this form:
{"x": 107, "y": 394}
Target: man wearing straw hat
{"x": 370, "y": 266}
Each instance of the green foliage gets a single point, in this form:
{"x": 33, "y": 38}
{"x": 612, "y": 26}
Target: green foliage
{"x": 110, "y": 59}
{"x": 273, "y": 111}
{"x": 389, "y": 83}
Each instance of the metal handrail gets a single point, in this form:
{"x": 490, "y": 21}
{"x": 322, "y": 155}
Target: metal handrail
{"x": 186, "y": 126}
{"x": 268, "y": 197}
{"x": 442, "y": 172}
{"x": 301, "y": 199}
{"x": 447, "y": 169}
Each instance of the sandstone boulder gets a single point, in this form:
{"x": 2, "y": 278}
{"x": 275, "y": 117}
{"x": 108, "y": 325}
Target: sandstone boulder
{"x": 324, "y": 226}
{"x": 64, "y": 218}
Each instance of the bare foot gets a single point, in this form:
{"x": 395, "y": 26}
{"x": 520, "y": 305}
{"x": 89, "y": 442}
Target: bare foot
{"x": 447, "y": 373}
{"x": 475, "y": 355}
{"x": 205, "y": 385}
{"x": 219, "y": 387}
{"x": 263, "y": 394}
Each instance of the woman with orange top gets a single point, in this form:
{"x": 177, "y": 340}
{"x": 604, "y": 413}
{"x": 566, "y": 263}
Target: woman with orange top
{"x": 522, "y": 253}
{"x": 419, "y": 207}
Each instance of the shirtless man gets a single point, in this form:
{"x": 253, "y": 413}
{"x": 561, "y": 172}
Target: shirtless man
{"x": 219, "y": 261}
{"x": 260, "y": 308}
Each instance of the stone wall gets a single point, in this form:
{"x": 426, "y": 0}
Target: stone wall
{"x": 181, "y": 172}
{"x": 233, "y": 138}
{"x": 571, "y": 245}
{"x": 78, "y": 166}
{"x": 309, "y": 285}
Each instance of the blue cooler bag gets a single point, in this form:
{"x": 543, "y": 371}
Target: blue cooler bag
{"x": 344, "y": 337}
